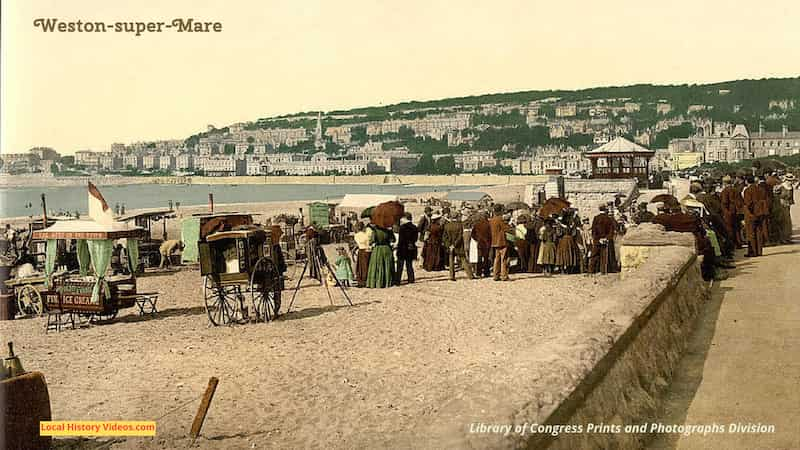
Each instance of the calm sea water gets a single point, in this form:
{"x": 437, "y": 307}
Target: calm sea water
{"x": 14, "y": 201}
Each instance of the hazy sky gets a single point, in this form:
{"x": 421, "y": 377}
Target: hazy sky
{"x": 73, "y": 91}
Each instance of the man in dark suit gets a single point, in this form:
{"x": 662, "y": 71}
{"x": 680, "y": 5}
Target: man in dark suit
{"x": 482, "y": 234}
{"x": 603, "y": 259}
{"x": 454, "y": 242}
{"x": 731, "y": 201}
{"x": 499, "y": 227}
{"x": 406, "y": 248}
{"x": 756, "y": 209}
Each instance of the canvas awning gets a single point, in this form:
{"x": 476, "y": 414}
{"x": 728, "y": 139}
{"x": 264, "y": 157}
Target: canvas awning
{"x": 362, "y": 201}
{"x": 88, "y": 229}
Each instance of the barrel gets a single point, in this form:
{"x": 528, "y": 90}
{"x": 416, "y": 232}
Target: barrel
{"x": 26, "y": 402}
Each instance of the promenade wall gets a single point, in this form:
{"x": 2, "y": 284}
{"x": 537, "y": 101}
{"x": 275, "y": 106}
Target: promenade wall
{"x": 611, "y": 366}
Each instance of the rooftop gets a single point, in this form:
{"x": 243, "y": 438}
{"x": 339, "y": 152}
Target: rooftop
{"x": 620, "y": 145}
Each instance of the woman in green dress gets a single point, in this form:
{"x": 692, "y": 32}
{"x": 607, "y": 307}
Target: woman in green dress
{"x": 381, "y": 261}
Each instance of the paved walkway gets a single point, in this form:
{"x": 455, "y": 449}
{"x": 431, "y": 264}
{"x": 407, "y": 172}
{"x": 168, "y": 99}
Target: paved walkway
{"x": 743, "y": 361}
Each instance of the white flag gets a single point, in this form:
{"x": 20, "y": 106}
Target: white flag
{"x": 98, "y": 208}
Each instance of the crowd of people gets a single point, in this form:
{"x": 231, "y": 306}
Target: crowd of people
{"x": 491, "y": 242}
{"x": 735, "y": 211}
{"x": 723, "y": 214}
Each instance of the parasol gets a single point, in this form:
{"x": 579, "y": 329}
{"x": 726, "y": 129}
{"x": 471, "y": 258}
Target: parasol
{"x": 552, "y": 206}
{"x": 666, "y": 199}
{"x": 387, "y": 214}
{"x": 681, "y": 222}
{"x": 367, "y": 213}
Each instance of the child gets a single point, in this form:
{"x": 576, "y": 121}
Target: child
{"x": 344, "y": 269}
{"x": 547, "y": 248}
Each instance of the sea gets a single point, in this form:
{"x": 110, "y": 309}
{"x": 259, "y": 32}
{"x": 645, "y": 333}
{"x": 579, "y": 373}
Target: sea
{"x": 26, "y": 201}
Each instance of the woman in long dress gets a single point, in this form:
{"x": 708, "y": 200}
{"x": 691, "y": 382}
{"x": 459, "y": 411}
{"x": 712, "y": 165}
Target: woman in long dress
{"x": 381, "y": 262}
{"x": 363, "y": 239}
{"x": 532, "y": 237}
{"x": 433, "y": 252}
{"x": 568, "y": 255}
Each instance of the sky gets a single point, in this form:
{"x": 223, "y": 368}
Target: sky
{"x": 75, "y": 91}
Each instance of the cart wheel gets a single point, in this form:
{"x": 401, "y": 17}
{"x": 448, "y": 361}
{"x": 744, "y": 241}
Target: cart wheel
{"x": 265, "y": 290}
{"x": 29, "y": 300}
{"x": 223, "y": 304}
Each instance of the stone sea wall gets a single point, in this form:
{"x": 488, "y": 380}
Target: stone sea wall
{"x": 610, "y": 366}
{"x": 632, "y": 354}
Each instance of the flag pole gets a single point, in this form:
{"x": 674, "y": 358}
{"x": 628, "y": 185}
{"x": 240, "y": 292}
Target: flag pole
{"x": 44, "y": 211}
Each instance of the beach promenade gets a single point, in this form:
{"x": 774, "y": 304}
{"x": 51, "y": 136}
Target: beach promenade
{"x": 741, "y": 365}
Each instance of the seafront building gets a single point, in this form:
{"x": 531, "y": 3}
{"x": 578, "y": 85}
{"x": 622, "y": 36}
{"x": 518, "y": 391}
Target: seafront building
{"x": 726, "y": 142}
{"x": 357, "y": 143}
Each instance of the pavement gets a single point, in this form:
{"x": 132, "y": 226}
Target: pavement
{"x": 742, "y": 365}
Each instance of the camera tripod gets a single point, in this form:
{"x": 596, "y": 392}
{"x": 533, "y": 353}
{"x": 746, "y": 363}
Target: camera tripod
{"x": 316, "y": 259}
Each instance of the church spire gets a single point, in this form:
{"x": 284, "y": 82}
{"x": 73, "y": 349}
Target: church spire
{"x": 319, "y": 143}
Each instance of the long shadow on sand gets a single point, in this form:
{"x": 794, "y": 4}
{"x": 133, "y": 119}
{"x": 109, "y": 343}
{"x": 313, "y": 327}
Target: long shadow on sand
{"x": 689, "y": 373}
{"x": 84, "y": 443}
{"x": 161, "y": 314}
{"x": 316, "y": 311}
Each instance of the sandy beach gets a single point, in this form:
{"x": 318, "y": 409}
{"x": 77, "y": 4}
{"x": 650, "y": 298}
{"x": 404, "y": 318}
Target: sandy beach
{"x": 322, "y": 375}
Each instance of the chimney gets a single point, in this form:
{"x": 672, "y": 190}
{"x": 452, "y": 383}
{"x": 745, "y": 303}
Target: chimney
{"x": 760, "y": 129}
{"x": 785, "y": 130}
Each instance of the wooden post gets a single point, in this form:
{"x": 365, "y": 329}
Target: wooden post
{"x": 44, "y": 211}
{"x": 205, "y": 403}
{"x": 211, "y": 202}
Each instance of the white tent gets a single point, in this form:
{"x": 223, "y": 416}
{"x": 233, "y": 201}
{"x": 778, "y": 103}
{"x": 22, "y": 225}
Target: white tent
{"x": 363, "y": 201}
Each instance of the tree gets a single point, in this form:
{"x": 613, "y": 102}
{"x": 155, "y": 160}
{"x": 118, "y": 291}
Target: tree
{"x": 446, "y": 165}
{"x": 405, "y": 133}
{"x": 496, "y": 170}
{"x": 359, "y": 135}
{"x": 425, "y": 165}
{"x": 576, "y": 140}
{"x": 512, "y": 118}
{"x": 523, "y": 136}
{"x": 680, "y": 131}
{"x": 230, "y": 149}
